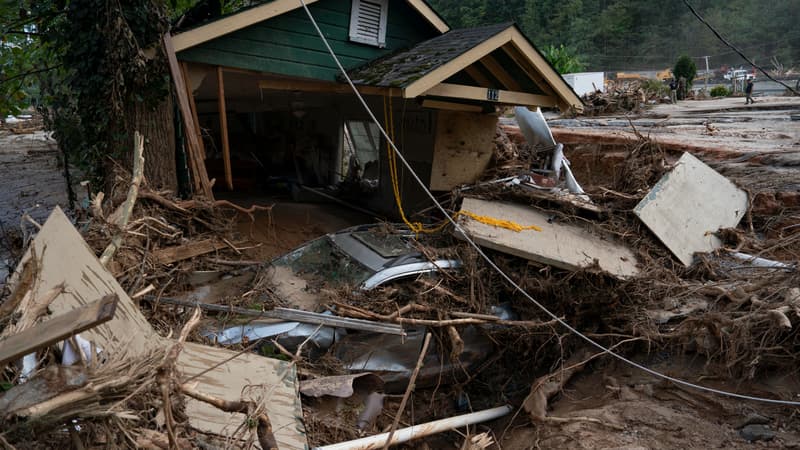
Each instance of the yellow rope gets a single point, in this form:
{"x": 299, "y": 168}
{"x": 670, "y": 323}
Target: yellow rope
{"x": 388, "y": 119}
{"x": 418, "y": 227}
{"x": 502, "y": 223}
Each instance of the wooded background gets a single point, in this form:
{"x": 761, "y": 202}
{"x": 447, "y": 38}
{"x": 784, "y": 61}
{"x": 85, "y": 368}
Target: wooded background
{"x": 615, "y": 35}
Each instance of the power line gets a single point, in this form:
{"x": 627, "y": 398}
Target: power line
{"x": 494, "y": 266}
{"x": 732, "y": 47}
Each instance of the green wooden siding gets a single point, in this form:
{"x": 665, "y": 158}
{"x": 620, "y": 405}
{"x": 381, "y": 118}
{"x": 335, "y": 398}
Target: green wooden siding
{"x": 289, "y": 45}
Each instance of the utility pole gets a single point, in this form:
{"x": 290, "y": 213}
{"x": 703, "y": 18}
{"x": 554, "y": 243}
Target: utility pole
{"x": 706, "y": 57}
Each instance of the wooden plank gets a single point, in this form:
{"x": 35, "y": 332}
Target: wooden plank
{"x": 530, "y": 70}
{"x": 193, "y": 107}
{"x": 430, "y": 15}
{"x": 500, "y": 73}
{"x": 223, "y": 126}
{"x": 462, "y": 148}
{"x": 58, "y": 328}
{"x": 235, "y": 22}
{"x": 567, "y": 97}
{"x": 476, "y": 74}
{"x": 457, "y": 64}
{"x": 688, "y": 205}
{"x": 451, "y": 106}
{"x": 565, "y": 246}
{"x": 294, "y": 84}
{"x": 293, "y": 315}
{"x": 194, "y": 153}
{"x": 177, "y": 253}
{"x": 481, "y": 94}
{"x": 232, "y": 375}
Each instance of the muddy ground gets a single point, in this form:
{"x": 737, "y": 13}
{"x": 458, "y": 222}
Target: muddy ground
{"x": 607, "y": 405}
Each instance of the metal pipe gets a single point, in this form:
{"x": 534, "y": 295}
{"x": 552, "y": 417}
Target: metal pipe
{"x": 761, "y": 262}
{"x": 417, "y": 431}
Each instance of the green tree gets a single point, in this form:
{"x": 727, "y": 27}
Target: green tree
{"x": 103, "y": 74}
{"x": 685, "y": 68}
{"x": 563, "y": 59}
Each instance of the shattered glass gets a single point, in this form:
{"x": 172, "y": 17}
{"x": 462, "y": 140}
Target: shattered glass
{"x": 321, "y": 260}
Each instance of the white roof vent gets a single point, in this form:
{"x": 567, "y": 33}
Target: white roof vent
{"x": 368, "y": 22}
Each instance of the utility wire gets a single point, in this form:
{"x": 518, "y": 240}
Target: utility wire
{"x": 732, "y": 47}
{"x": 494, "y": 266}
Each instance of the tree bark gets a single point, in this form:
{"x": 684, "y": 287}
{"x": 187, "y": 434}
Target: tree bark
{"x": 157, "y": 126}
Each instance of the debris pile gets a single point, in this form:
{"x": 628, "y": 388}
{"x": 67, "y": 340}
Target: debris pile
{"x": 376, "y": 334}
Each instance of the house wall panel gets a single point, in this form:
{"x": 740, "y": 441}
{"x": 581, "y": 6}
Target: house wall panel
{"x": 463, "y": 148}
{"x": 288, "y": 44}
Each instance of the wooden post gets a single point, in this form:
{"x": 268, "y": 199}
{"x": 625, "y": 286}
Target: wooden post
{"x": 194, "y": 147}
{"x": 223, "y": 125}
{"x": 193, "y": 108}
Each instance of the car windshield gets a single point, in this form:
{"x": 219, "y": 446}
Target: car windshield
{"x": 322, "y": 261}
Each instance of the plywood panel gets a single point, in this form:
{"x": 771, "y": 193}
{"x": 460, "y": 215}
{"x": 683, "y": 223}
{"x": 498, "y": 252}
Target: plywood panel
{"x": 63, "y": 256}
{"x": 463, "y": 148}
{"x": 688, "y": 205}
{"x": 565, "y": 246}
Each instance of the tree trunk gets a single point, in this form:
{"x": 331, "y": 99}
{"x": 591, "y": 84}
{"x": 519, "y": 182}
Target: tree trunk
{"x": 157, "y": 127}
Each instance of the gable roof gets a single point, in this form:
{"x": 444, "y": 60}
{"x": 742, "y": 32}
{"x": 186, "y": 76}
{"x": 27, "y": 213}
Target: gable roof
{"x": 402, "y": 69}
{"x": 249, "y": 16}
{"x": 425, "y": 68}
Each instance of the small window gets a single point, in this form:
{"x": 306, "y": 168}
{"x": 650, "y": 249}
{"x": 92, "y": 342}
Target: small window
{"x": 368, "y": 22}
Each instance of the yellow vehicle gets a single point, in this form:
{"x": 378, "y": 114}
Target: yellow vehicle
{"x": 665, "y": 74}
{"x": 629, "y": 76}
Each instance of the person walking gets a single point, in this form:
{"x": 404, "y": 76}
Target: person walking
{"x": 748, "y": 90}
{"x": 673, "y": 91}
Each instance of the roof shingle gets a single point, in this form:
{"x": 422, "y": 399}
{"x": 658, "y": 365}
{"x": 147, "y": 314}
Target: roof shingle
{"x": 405, "y": 67}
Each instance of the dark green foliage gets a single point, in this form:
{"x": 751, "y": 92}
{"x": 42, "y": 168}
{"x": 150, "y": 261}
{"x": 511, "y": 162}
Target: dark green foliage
{"x": 93, "y": 61}
{"x": 685, "y": 68}
{"x": 620, "y": 35}
{"x": 720, "y": 91}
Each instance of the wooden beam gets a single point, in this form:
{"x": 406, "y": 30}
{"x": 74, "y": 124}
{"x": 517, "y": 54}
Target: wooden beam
{"x": 429, "y": 14}
{"x": 223, "y": 127}
{"x": 194, "y": 148}
{"x": 229, "y": 24}
{"x": 528, "y": 68}
{"x": 450, "y": 106}
{"x": 287, "y": 84}
{"x": 478, "y": 76}
{"x": 294, "y": 315}
{"x": 567, "y": 96}
{"x": 176, "y": 253}
{"x": 57, "y": 329}
{"x": 500, "y": 73}
{"x": 193, "y": 107}
{"x": 481, "y": 94}
{"x": 458, "y": 63}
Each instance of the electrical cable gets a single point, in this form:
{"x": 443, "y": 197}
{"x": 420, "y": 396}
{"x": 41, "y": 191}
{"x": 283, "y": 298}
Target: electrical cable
{"x": 732, "y": 47}
{"x": 500, "y": 271}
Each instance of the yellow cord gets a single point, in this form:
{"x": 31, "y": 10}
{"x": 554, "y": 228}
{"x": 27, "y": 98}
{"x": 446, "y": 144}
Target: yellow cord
{"x": 418, "y": 227}
{"x": 502, "y": 223}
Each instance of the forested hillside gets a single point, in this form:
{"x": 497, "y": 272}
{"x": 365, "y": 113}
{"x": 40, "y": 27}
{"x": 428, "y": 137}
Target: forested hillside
{"x": 644, "y": 34}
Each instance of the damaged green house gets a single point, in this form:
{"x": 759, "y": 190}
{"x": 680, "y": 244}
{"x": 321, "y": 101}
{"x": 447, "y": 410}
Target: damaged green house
{"x": 275, "y": 112}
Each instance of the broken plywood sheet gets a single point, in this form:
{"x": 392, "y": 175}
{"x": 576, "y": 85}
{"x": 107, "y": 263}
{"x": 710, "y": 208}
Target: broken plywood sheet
{"x": 63, "y": 256}
{"x": 247, "y": 375}
{"x": 565, "y": 246}
{"x": 463, "y": 148}
{"x": 688, "y": 205}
